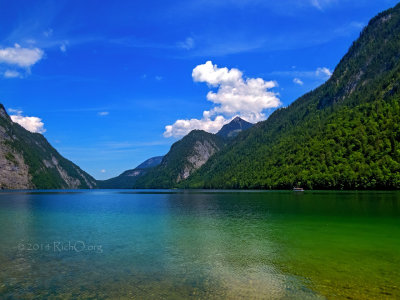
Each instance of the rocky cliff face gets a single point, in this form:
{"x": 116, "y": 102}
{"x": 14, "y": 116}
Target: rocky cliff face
{"x": 184, "y": 158}
{"x": 202, "y": 151}
{"x": 14, "y": 172}
{"x": 28, "y": 161}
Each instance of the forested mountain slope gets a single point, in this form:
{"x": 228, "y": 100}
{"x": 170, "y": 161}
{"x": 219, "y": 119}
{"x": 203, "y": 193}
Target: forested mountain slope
{"x": 345, "y": 134}
{"x": 234, "y": 127}
{"x": 27, "y": 160}
{"x": 184, "y": 157}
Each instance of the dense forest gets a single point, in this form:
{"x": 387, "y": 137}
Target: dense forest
{"x": 343, "y": 135}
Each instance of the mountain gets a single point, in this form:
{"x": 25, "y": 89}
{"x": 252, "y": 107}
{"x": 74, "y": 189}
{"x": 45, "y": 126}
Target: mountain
{"x": 128, "y": 178}
{"x": 233, "y": 128}
{"x": 150, "y": 163}
{"x": 28, "y": 161}
{"x": 343, "y": 135}
{"x": 184, "y": 157}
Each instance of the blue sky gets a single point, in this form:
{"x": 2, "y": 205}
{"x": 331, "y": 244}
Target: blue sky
{"x": 103, "y": 79}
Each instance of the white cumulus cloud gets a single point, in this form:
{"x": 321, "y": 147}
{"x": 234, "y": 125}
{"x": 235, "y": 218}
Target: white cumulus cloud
{"x": 323, "y": 72}
{"x": 183, "y": 127}
{"x": 232, "y": 95}
{"x": 215, "y": 76}
{"x": 22, "y": 57}
{"x": 32, "y": 124}
{"x": 298, "y": 81}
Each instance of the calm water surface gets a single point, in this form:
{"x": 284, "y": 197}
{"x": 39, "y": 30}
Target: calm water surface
{"x": 199, "y": 244}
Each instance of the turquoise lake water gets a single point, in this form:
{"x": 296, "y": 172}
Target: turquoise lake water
{"x": 175, "y": 244}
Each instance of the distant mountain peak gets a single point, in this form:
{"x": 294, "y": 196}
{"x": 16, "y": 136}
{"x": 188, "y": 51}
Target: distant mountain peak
{"x": 234, "y": 127}
{"x": 238, "y": 119}
{"x": 127, "y": 179}
{"x": 150, "y": 163}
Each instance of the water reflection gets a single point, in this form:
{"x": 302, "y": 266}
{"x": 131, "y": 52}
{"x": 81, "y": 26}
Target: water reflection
{"x": 178, "y": 244}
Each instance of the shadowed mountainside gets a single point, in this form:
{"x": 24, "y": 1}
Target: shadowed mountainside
{"x": 27, "y": 161}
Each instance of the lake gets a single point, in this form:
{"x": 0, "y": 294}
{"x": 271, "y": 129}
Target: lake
{"x": 124, "y": 244}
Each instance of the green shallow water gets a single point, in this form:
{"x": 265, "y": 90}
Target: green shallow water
{"x": 199, "y": 244}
